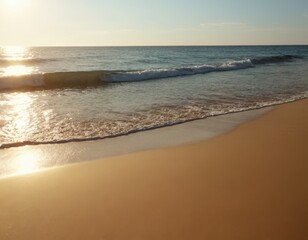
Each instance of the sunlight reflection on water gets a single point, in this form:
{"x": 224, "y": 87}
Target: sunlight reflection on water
{"x": 14, "y": 57}
{"x": 21, "y": 104}
{"x": 26, "y": 163}
{"x": 15, "y": 53}
{"x": 17, "y": 70}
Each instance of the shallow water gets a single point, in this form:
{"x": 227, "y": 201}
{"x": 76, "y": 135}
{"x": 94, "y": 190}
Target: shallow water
{"x": 207, "y": 81}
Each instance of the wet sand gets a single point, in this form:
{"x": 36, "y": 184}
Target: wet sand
{"x": 250, "y": 183}
{"x": 20, "y": 160}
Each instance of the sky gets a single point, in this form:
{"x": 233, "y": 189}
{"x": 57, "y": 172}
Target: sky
{"x": 152, "y": 22}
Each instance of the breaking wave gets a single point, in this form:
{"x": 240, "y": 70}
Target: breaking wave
{"x": 98, "y": 78}
{"x": 177, "y": 72}
{"x": 53, "y": 80}
{"x": 200, "y": 69}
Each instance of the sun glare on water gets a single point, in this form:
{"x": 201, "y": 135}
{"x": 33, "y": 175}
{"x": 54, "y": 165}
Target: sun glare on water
{"x": 16, "y": 55}
{"x": 14, "y": 52}
{"x": 17, "y": 70}
{"x": 27, "y": 163}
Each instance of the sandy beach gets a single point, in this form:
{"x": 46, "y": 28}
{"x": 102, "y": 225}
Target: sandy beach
{"x": 250, "y": 183}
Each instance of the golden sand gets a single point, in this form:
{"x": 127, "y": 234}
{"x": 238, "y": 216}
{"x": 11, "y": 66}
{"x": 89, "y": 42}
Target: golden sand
{"x": 251, "y": 183}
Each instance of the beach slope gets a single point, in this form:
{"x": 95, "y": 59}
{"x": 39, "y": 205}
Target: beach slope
{"x": 250, "y": 183}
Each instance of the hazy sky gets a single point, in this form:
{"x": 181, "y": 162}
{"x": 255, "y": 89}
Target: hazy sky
{"x": 152, "y": 22}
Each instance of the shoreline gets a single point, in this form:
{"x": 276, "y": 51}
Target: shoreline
{"x": 249, "y": 183}
{"x": 44, "y": 156}
{"x": 29, "y": 143}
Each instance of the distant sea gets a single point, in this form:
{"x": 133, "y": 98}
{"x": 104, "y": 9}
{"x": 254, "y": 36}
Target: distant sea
{"x": 63, "y": 94}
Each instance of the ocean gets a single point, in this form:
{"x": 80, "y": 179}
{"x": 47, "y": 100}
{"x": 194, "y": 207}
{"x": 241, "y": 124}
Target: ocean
{"x": 65, "y": 94}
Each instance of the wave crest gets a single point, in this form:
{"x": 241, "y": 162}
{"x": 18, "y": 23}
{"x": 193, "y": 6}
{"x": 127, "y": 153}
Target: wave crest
{"x": 53, "y": 80}
{"x": 98, "y": 78}
{"x": 177, "y": 72}
{"x": 151, "y": 74}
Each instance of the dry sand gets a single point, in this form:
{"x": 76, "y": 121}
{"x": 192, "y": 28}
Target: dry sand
{"x": 251, "y": 183}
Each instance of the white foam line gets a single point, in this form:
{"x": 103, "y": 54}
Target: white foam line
{"x": 177, "y": 72}
{"x": 54, "y": 155}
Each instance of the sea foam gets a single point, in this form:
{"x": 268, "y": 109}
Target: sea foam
{"x": 98, "y": 78}
{"x": 177, "y": 72}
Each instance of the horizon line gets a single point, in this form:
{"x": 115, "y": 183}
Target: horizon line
{"x": 188, "y": 45}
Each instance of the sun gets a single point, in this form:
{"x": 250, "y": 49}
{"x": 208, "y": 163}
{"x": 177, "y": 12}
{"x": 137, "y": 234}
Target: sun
{"x": 14, "y": 3}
